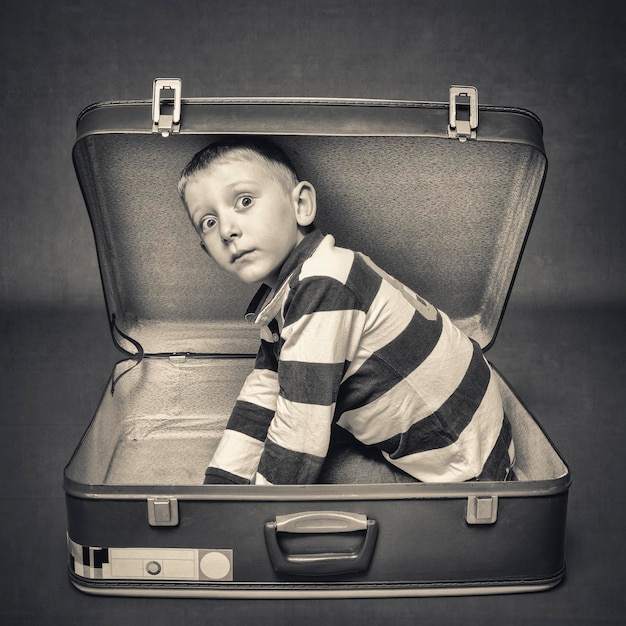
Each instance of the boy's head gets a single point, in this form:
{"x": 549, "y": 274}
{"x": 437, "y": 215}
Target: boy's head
{"x": 245, "y": 200}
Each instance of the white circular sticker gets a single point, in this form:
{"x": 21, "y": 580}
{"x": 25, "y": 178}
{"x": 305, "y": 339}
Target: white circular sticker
{"x": 215, "y": 565}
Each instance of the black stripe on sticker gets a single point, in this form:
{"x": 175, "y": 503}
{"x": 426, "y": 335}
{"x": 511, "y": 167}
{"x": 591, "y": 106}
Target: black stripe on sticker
{"x": 100, "y": 556}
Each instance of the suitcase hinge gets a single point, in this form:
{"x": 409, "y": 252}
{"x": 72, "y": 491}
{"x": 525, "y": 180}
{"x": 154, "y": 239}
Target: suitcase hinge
{"x": 163, "y": 511}
{"x": 463, "y": 99}
{"x": 166, "y": 105}
{"x": 482, "y": 509}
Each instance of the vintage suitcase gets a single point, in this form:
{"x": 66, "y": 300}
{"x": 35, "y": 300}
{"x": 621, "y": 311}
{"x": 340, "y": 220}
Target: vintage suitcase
{"x": 439, "y": 200}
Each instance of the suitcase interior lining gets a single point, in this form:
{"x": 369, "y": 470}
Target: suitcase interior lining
{"x": 164, "y": 420}
{"x": 447, "y": 219}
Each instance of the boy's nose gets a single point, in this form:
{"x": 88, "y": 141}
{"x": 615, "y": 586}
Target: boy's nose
{"x": 229, "y": 230}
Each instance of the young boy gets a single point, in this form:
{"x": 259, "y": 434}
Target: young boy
{"x": 342, "y": 343}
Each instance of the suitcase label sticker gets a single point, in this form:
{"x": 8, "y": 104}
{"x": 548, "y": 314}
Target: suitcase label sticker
{"x": 151, "y": 563}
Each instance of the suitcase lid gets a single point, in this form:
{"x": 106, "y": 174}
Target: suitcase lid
{"x": 440, "y": 199}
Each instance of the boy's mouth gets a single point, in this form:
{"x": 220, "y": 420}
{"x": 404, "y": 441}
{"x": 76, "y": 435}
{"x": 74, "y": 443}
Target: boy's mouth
{"x": 239, "y": 255}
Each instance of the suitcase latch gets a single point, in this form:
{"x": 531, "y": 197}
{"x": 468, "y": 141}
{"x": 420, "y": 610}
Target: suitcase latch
{"x": 166, "y": 105}
{"x": 463, "y": 117}
{"x": 482, "y": 509}
{"x": 163, "y": 511}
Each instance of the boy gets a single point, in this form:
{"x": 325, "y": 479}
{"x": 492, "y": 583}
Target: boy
{"x": 343, "y": 344}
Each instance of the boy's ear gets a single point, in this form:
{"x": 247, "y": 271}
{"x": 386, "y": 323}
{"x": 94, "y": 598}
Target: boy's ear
{"x": 305, "y": 203}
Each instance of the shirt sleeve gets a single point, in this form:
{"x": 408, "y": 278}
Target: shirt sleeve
{"x": 237, "y": 456}
{"x": 321, "y": 332}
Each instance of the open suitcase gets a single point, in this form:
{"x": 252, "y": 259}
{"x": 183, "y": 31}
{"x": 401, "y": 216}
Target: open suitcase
{"x": 438, "y": 200}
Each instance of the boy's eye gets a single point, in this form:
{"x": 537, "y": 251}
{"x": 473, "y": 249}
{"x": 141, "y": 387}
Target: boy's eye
{"x": 244, "y": 202}
{"x": 206, "y": 223}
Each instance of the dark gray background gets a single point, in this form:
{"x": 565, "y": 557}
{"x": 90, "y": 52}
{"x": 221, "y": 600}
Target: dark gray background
{"x": 561, "y": 344}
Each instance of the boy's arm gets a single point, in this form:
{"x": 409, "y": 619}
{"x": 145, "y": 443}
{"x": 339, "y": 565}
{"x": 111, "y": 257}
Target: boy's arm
{"x": 236, "y": 458}
{"x": 322, "y": 329}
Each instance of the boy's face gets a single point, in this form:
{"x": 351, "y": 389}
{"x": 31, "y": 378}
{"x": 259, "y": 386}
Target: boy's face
{"x": 248, "y": 220}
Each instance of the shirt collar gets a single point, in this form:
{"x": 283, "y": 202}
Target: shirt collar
{"x": 299, "y": 255}
{"x": 296, "y": 258}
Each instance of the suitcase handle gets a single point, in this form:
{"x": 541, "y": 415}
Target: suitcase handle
{"x": 328, "y": 560}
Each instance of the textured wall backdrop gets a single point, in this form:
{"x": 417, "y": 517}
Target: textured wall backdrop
{"x": 562, "y": 59}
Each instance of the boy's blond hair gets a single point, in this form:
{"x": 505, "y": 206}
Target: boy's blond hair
{"x": 240, "y": 147}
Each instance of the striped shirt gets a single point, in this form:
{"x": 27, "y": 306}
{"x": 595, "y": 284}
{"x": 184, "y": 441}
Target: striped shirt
{"x": 344, "y": 343}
